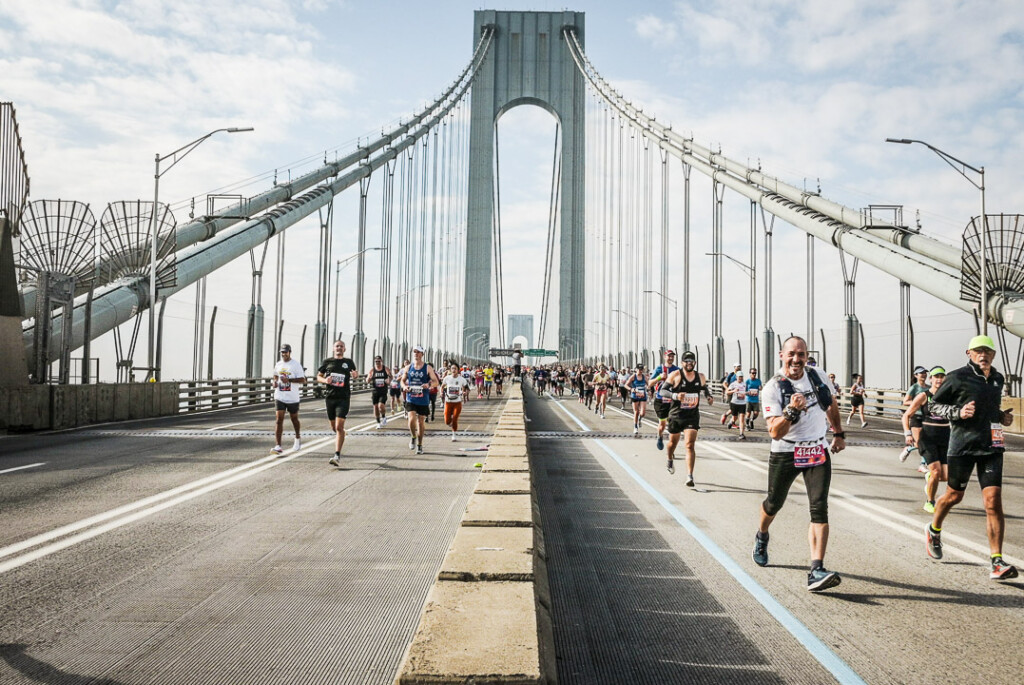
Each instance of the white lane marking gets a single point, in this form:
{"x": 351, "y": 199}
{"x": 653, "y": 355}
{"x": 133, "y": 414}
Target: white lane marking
{"x": 229, "y": 425}
{"x": 156, "y": 503}
{"x": 879, "y": 430}
{"x": 900, "y": 523}
{"x": 22, "y": 468}
{"x": 572, "y": 416}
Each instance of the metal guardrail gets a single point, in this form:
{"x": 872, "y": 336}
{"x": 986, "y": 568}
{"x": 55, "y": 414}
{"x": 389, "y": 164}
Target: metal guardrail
{"x": 235, "y": 392}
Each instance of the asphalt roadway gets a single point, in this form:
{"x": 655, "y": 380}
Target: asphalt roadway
{"x": 179, "y": 550}
{"x": 653, "y": 582}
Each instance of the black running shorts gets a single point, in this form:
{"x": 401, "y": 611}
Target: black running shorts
{"x": 421, "y": 409}
{"x": 677, "y": 423}
{"x": 782, "y": 473}
{"x": 934, "y": 444}
{"x": 661, "y": 409}
{"x": 380, "y": 396}
{"x": 337, "y": 407}
{"x": 990, "y": 470}
{"x": 737, "y": 409}
{"x": 290, "y": 407}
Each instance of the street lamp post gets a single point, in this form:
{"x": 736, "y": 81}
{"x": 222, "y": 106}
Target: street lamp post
{"x": 341, "y": 263}
{"x": 175, "y": 157}
{"x": 961, "y": 168}
{"x": 753, "y": 298}
{"x": 675, "y": 312}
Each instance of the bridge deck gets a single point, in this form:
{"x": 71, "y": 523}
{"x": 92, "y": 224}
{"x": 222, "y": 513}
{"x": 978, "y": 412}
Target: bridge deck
{"x": 294, "y": 572}
{"x": 637, "y": 598}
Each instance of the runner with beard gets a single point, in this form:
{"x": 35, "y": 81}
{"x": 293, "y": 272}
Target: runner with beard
{"x": 684, "y": 387}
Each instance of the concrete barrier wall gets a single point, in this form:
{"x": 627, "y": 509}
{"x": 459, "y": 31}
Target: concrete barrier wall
{"x": 54, "y": 407}
{"x": 487, "y": 618}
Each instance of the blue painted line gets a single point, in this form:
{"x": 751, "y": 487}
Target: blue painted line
{"x": 818, "y": 649}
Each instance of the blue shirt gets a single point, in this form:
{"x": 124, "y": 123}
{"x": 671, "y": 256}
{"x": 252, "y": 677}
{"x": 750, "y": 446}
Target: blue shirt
{"x": 753, "y": 384}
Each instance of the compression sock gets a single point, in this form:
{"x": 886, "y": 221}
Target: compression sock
{"x": 816, "y": 564}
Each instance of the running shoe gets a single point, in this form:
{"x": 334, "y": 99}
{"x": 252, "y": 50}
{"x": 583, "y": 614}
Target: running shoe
{"x": 335, "y": 460}
{"x": 602, "y": 415}
{"x": 848, "y": 420}
{"x": 1001, "y": 570}
{"x": 725, "y": 417}
{"x": 927, "y": 477}
{"x": 742, "y": 436}
{"x": 921, "y": 468}
{"x": 419, "y": 449}
{"x": 297, "y": 445}
{"x": 412, "y": 443}
{"x": 929, "y": 506}
{"x": 905, "y": 452}
{"x": 671, "y": 467}
{"x": 933, "y": 543}
{"x": 276, "y": 449}
{"x": 822, "y": 579}
{"x": 453, "y": 437}
{"x": 636, "y": 429}
{"x": 689, "y": 480}
{"x": 660, "y": 442}
{"x": 863, "y": 424}
{"x": 760, "y": 553}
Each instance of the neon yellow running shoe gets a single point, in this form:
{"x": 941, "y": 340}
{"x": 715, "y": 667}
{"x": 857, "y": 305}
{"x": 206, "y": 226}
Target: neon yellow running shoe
{"x": 929, "y": 506}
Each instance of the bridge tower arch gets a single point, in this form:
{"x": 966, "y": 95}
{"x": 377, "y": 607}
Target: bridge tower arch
{"x": 528, "y": 63}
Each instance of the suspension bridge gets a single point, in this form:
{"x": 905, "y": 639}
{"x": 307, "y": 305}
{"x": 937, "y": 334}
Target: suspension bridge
{"x": 155, "y": 542}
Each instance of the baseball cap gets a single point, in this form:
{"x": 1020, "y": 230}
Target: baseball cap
{"x": 981, "y": 341}
{"x": 737, "y": 366}
{"x": 669, "y": 352}
{"x": 418, "y": 348}
{"x": 689, "y": 357}
{"x": 937, "y": 371}
{"x": 378, "y": 358}
{"x": 739, "y": 374}
{"x": 285, "y": 347}
{"x": 920, "y": 369}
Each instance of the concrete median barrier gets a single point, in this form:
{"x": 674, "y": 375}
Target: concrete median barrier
{"x": 487, "y": 618}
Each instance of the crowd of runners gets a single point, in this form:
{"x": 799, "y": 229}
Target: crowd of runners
{"x": 953, "y": 420}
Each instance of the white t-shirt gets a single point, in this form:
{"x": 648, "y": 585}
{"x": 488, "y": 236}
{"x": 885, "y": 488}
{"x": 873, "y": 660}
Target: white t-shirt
{"x": 452, "y": 387}
{"x": 286, "y": 372}
{"x": 739, "y": 392}
{"x": 812, "y": 428}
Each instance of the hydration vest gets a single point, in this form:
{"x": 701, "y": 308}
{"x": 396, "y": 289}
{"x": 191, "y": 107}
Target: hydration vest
{"x": 821, "y": 390}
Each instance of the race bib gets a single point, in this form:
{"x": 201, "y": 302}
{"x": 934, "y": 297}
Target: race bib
{"x": 394, "y": 385}
{"x": 380, "y": 382}
{"x": 639, "y": 397}
{"x": 338, "y": 380}
{"x": 997, "y": 436}
{"x": 454, "y": 392}
{"x": 753, "y": 392}
{"x": 806, "y": 457}
{"x": 690, "y": 400}
{"x": 416, "y": 390}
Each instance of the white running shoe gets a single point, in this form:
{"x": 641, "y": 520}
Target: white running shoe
{"x": 863, "y": 424}
{"x": 276, "y": 449}
{"x": 453, "y": 437}
{"x": 636, "y": 429}
{"x": 906, "y": 452}
{"x": 297, "y": 445}
{"x": 848, "y": 420}
{"x": 334, "y": 461}
{"x": 412, "y": 443}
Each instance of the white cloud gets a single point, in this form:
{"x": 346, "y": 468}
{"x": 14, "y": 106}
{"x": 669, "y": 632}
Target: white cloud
{"x": 655, "y": 29}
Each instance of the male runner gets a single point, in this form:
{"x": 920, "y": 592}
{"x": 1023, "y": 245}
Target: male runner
{"x": 737, "y": 394}
{"x": 970, "y": 398}
{"x": 684, "y": 387}
{"x": 932, "y": 441}
{"x": 379, "y": 378}
{"x": 661, "y": 404}
{"x": 488, "y": 380}
{"x": 753, "y": 398}
{"x": 395, "y": 391}
{"x": 588, "y": 386}
{"x": 798, "y": 407}
{"x": 726, "y": 382}
{"x": 337, "y": 373}
{"x": 499, "y": 379}
{"x": 417, "y": 379}
{"x": 287, "y": 372}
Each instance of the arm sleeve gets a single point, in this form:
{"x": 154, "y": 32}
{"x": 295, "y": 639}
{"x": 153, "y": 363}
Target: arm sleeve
{"x": 943, "y": 402}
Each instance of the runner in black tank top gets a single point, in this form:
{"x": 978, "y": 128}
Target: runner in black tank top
{"x": 685, "y": 386}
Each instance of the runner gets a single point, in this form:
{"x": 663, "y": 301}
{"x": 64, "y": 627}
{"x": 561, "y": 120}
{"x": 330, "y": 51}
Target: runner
{"x": 488, "y": 380}
{"x": 478, "y": 380}
{"x": 622, "y": 382}
{"x": 919, "y": 385}
{"x": 379, "y": 378}
{"x": 417, "y": 380}
{"x": 970, "y": 398}
{"x": 395, "y": 391}
{"x": 452, "y": 386}
{"x": 753, "y": 398}
{"x": 589, "y": 389}
{"x": 737, "y": 393}
{"x": 287, "y": 372}
{"x": 661, "y": 404}
{"x": 932, "y": 441}
{"x": 727, "y": 417}
{"x": 468, "y": 375}
{"x": 637, "y": 385}
{"x": 602, "y": 382}
{"x": 684, "y": 387}
{"x": 499, "y": 379}
{"x": 798, "y": 406}
{"x": 337, "y": 373}
{"x": 857, "y": 400}
{"x": 517, "y": 366}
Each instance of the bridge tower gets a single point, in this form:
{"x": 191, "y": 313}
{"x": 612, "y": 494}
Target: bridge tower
{"x": 528, "y": 63}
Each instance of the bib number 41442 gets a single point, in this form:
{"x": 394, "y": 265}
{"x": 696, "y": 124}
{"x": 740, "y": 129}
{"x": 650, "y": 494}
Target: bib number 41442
{"x": 806, "y": 457}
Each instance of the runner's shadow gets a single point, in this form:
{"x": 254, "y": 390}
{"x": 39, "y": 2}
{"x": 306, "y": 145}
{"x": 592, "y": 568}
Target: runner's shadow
{"x": 40, "y": 671}
{"x": 931, "y": 593}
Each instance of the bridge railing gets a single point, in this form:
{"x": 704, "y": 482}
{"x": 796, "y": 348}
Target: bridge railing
{"x": 234, "y": 392}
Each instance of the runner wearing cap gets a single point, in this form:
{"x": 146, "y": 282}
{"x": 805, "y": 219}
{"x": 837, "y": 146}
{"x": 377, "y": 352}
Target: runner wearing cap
{"x": 661, "y": 404}
{"x": 726, "y": 382}
{"x": 932, "y": 441}
{"x": 916, "y": 388}
{"x": 737, "y": 394}
{"x": 602, "y": 381}
{"x": 753, "y": 398}
{"x": 684, "y": 387}
{"x": 337, "y": 373}
{"x": 288, "y": 373}
{"x": 417, "y": 380}
{"x": 637, "y": 385}
{"x": 971, "y": 398}
{"x": 379, "y": 378}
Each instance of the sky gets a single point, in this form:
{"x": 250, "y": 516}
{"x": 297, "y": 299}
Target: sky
{"x": 809, "y": 91}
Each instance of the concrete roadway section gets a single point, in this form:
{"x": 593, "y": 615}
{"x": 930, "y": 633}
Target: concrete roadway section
{"x": 179, "y": 551}
{"x": 652, "y": 582}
